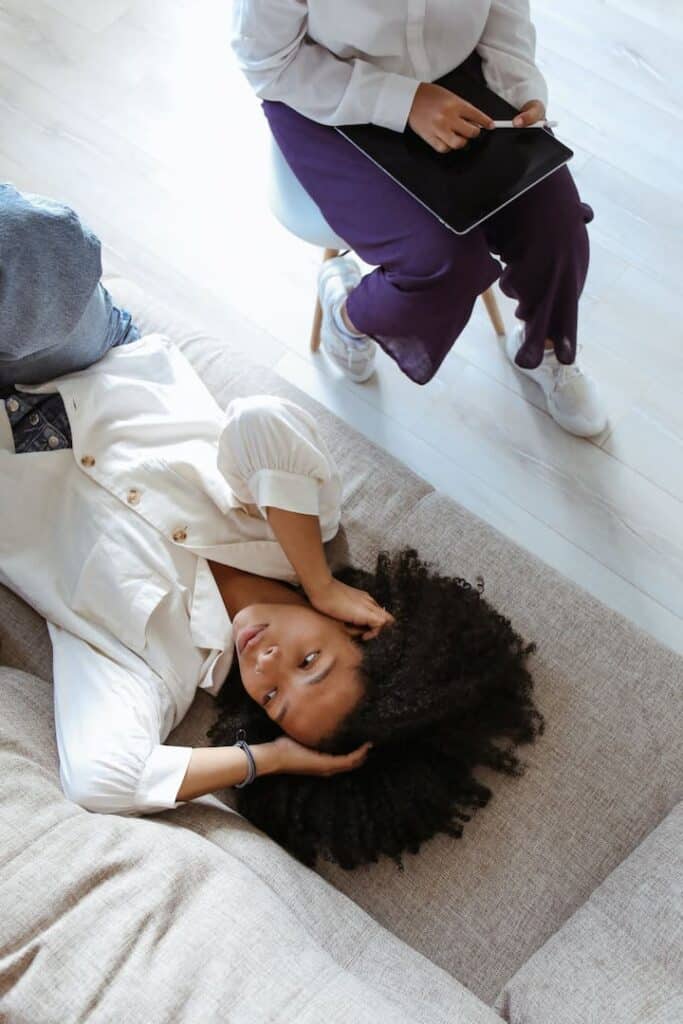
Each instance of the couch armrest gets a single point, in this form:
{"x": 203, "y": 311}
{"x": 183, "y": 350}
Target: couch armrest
{"x": 619, "y": 958}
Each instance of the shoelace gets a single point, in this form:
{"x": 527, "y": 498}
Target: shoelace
{"x": 563, "y": 373}
{"x": 352, "y": 345}
{"x": 352, "y": 364}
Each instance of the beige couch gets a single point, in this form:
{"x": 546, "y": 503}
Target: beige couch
{"x": 561, "y": 903}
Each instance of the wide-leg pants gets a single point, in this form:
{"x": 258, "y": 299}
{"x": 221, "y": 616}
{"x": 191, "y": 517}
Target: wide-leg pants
{"x": 420, "y": 297}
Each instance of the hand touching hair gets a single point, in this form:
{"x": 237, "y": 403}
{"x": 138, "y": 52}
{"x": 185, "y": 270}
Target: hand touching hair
{"x": 446, "y": 690}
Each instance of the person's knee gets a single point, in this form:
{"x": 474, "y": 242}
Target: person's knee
{"x": 441, "y": 260}
{"x": 435, "y": 255}
{"x": 568, "y": 222}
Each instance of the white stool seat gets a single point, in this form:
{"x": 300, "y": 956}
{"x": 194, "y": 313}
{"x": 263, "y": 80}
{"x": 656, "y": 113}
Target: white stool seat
{"x": 294, "y": 208}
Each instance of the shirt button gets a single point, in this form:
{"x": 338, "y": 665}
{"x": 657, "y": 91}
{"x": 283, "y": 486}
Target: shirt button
{"x": 180, "y": 535}
{"x": 12, "y": 405}
{"x": 133, "y": 496}
{"x": 34, "y": 419}
{"x": 87, "y": 460}
{"x": 53, "y": 441}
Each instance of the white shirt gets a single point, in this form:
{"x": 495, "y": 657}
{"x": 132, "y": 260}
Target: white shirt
{"x": 109, "y": 540}
{"x": 361, "y": 61}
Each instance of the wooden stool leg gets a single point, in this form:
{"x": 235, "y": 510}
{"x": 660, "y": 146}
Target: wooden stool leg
{"x": 318, "y": 314}
{"x": 491, "y": 303}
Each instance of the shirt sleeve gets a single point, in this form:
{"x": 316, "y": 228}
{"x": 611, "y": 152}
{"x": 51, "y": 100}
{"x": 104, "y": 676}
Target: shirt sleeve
{"x": 282, "y": 63}
{"x": 108, "y": 721}
{"x": 272, "y": 453}
{"x": 507, "y": 48}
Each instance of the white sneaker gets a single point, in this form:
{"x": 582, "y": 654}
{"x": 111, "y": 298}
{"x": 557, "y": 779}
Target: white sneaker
{"x": 572, "y": 396}
{"x": 353, "y": 354}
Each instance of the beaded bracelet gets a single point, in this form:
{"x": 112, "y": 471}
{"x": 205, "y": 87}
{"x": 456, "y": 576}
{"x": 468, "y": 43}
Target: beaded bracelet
{"x": 252, "y": 764}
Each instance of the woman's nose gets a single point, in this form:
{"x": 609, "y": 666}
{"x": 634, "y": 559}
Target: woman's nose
{"x": 268, "y": 657}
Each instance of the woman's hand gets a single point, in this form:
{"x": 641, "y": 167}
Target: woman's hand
{"x": 445, "y": 120}
{"x": 531, "y": 112}
{"x": 293, "y": 758}
{"x": 348, "y": 604}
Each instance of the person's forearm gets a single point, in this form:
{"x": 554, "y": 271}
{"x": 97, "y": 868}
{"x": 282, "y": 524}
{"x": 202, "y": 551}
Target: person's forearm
{"x": 281, "y": 62}
{"x": 212, "y": 768}
{"x": 300, "y": 538}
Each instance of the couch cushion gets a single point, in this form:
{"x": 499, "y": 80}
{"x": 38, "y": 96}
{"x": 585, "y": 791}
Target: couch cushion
{"x": 607, "y": 769}
{"x": 605, "y": 773}
{"x": 620, "y": 957}
{"x": 24, "y": 639}
{"x": 105, "y": 918}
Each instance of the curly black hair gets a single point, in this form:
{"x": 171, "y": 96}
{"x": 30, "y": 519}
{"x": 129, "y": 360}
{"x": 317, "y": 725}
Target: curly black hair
{"x": 446, "y": 689}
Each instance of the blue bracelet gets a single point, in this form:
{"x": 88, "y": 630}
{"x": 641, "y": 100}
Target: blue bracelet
{"x": 252, "y": 764}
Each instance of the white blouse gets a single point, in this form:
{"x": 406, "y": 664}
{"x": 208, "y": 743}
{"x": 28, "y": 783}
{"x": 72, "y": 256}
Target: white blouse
{"x": 360, "y": 61}
{"x": 110, "y": 541}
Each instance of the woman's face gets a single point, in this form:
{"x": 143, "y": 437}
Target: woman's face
{"x": 301, "y": 666}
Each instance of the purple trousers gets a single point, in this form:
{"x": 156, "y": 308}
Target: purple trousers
{"x": 420, "y": 297}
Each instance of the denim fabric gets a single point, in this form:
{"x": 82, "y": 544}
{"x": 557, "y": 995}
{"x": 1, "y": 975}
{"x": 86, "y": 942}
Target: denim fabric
{"x": 40, "y": 422}
{"x": 50, "y": 264}
{"x": 55, "y": 315}
{"x": 101, "y": 327}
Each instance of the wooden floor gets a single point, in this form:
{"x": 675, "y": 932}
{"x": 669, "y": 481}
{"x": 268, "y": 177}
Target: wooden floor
{"x": 131, "y": 112}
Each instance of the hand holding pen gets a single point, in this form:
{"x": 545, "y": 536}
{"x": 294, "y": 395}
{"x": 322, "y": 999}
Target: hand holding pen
{"x": 528, "y": 116}
{"x": 447, "y": 121}
{"x": 537, "y": 124}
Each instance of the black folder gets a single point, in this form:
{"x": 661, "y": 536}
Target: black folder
{"x": 465, "y": 186}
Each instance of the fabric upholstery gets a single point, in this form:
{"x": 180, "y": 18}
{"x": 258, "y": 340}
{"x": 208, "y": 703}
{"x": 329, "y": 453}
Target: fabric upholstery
{"x": 138, "y": 921}
{"x": 606, "y": 772}
{"x": 620, "y": 957}
{"x": 607, "y": 769}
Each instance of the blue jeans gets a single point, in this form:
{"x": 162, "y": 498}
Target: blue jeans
{"x": 39, "y": 422}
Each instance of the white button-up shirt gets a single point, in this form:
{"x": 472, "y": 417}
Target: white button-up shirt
{"x": 361, "y": 61}
{"x": 110, "y": 542}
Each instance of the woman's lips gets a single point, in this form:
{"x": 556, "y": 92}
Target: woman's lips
{"x": 247, "y": 634}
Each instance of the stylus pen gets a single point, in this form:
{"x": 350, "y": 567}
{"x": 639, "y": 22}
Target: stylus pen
{"x": 536, "y": 124}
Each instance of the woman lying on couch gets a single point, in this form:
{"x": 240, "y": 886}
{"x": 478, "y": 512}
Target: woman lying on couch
{"x": 438, "y": 690}
{"x": 172, "y": 545}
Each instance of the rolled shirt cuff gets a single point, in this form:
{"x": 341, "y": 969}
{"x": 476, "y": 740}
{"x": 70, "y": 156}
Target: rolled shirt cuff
{"x": 532, "y": 88}
{"x": 394, "y": 101}
{"x": 292, "y": 492}
{"x": 161, "y": 778}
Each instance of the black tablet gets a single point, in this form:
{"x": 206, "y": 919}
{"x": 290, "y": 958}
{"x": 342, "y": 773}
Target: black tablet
{"x": 465, "y": 186}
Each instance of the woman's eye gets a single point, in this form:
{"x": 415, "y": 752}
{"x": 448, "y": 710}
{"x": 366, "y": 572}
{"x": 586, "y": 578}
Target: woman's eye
{"x": 309, "y": 659}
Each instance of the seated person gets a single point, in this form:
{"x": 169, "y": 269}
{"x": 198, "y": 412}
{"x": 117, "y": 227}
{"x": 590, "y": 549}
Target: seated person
{"x": 173, "y": 546}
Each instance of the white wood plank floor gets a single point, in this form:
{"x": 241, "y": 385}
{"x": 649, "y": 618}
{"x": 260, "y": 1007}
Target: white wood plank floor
{"x": 131, "y": 112}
